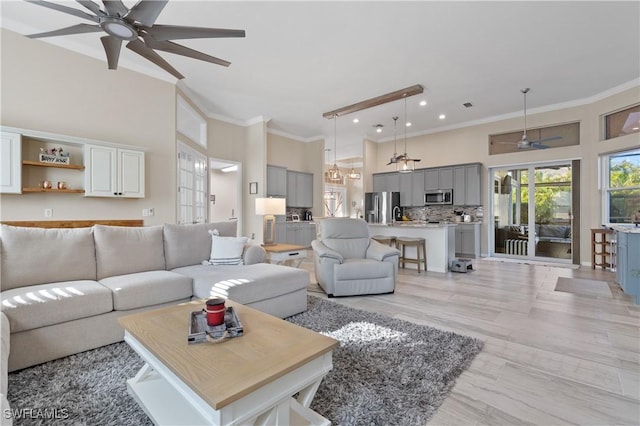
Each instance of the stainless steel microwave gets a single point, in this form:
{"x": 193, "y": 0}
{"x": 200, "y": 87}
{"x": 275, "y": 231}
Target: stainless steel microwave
{"x": 440, "y": 196}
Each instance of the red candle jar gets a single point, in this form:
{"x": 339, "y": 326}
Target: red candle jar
{"x": 215, "y": 311}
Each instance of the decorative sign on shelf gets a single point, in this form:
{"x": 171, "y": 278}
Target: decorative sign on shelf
{"x": 54, "y": 155}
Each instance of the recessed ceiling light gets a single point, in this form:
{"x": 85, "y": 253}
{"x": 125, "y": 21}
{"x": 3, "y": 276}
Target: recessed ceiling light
{"x": 228, "y": 169}
{"x": 379, "y": 130}
{"x": 355, "y": 120}
{"x": 423, "y": 103}
{"x": 408, "y": 124}
{"x": 442, "y": 116}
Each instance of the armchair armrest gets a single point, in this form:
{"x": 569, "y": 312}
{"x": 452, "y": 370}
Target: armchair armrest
{"x": 380, "y": 252}
{"x": 322, "y": 251}
{"x": 253, "y": 254}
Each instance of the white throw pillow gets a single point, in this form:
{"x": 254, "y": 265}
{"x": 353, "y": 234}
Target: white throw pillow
{"x": 226, "y": 250}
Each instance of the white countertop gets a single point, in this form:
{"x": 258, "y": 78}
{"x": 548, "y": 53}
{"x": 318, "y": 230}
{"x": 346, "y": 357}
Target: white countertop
{"x": 629, "y": 229}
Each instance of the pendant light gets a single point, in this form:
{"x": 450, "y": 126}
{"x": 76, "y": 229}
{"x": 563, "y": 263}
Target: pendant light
{"x": 334, "y": 171}
{"x": 395, "y": 156}
{"x": 353, "y": 174}
{"x": 405, "y": 163}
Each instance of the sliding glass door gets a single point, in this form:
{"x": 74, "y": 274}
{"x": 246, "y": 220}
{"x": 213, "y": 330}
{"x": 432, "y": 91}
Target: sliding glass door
{"x": 533, "y": 212}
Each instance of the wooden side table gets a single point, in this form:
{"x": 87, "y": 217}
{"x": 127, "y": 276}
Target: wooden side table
{"x": 282, "y": 253}
{"x": 602, "y": 252}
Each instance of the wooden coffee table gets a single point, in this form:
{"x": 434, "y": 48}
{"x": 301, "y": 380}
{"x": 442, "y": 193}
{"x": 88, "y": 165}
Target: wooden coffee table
{"x": 244, "y": 380}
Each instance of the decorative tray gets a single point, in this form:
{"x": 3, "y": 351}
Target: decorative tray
{"x": 200, "y": 331}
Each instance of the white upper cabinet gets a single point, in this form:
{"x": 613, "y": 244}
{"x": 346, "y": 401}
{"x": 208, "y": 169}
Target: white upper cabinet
{"x": 11, "y": 163}
{"x": 114, "y": 172}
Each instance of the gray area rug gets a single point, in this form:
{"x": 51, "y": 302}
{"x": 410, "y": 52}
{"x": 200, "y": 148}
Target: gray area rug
{"x": 385, "y": 372}
{"x": 583, "y": 287}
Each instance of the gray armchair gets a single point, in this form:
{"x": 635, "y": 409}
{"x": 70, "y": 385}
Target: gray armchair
{"x": 347, "y": 262}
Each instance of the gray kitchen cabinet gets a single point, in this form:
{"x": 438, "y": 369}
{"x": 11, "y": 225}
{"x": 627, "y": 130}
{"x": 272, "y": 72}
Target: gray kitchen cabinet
{"x": 412, "y": 189}
{"x": 386, "y": 182}
{"x": 281, "y": 232}
{"x": 432, "y": 179}
{"x": 628, "y": 263}
{"x": 417, "y": 188}
{"x": 467, "y": 238}
{"x": 466, "y": 185}
{"x": 406, "y": 197}
{"x": 473, "y": 194}
{"x": 276, "y": 181}
{"x": 296, "y": 233}
{"x": 445, "y": 176}
{"x": 299, "y": 189}
{"x": 459, "y": 186}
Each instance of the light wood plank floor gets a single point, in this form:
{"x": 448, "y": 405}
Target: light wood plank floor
{"x": 550, "y": 358}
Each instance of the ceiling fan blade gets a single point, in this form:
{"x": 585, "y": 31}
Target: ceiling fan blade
{"x": 178, "y": 49}
{"x": 65, "y": 9}
{"x": 552, "y": 138}
{"x": 75, "y": 29}
{"x": 91, "y": 6}
{"x": 146, "y": 11}
{"x": 141, "y": 49}
{"x": 112, "y": 46}
{"x": 115, "y": 7}
{"x": 537, "y": 145}
{"x": 173, "y": 32}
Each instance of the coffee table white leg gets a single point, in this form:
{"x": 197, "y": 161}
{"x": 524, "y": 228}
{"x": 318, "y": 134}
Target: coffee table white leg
{"x": 306, "y": 395}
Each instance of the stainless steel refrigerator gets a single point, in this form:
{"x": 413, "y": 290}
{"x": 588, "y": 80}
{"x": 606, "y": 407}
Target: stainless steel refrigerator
{"x": 382, "y": 207}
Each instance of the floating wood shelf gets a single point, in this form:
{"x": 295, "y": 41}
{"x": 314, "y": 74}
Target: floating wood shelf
{"x": 58, "y": 166}
{"x": 67, "y": 191}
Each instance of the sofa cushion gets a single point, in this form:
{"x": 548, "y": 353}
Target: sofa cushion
{"x": 247, "y": 283}
{"x": 147, "y": 288}
{"x": 186, "y": 245}
{"x": 124, "y": 250}
{"x": 40, "y": 305}
{"x": 38, "y": 256}
{"x": 226, "y": 250}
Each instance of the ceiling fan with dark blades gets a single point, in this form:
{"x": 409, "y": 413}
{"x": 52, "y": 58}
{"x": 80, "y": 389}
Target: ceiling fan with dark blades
{"x": 525, "y": 142}
{"x": 137, "y": 26}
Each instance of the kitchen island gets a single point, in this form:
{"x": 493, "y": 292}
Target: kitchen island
{"x": 440, "y": 239}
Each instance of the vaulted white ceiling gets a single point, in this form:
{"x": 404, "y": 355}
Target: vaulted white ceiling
{"x": 300, "y": 59}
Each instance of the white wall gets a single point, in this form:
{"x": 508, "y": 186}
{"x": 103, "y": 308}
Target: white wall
{"x": 51, "y": 89}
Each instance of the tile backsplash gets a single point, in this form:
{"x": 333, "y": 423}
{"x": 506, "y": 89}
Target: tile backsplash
{"x": 443, "y": 213}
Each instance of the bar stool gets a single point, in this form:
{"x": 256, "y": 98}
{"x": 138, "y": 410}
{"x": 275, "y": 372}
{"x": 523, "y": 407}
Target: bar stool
{"x": 421, "y": 251}
{"x": 390, "y": 240}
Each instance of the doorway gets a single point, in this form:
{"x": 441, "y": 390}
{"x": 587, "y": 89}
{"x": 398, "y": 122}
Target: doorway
{"x": 536, "y": 212}
{"x": 225, "y": 191}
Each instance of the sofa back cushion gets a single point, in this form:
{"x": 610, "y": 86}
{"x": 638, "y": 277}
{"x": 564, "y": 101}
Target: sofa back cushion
{"x": 349, "y": 237}
{"x": 39, "y": 256}
{"x": 186, "y": 245}
{"x": 124, "y": 250}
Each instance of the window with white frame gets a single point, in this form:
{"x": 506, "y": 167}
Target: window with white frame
{"x": 621, "y": 186}
{"x": 190, "y": 123}
{"x": 192, "y": 185}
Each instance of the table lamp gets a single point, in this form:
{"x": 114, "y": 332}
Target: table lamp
{"x": 269, "y": 207}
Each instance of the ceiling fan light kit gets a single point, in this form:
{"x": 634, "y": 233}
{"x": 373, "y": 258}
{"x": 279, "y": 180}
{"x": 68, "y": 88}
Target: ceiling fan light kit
{"x": 137, "y": 26}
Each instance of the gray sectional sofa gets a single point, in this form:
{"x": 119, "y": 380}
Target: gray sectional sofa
{"x": 62, "y": 290}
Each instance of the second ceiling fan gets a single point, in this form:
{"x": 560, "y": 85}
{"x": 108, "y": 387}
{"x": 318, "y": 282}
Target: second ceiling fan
{"x": 525, "y": 142}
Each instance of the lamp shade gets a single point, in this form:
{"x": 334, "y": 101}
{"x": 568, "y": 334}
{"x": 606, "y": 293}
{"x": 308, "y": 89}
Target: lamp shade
{"x": 271, "y": 206}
